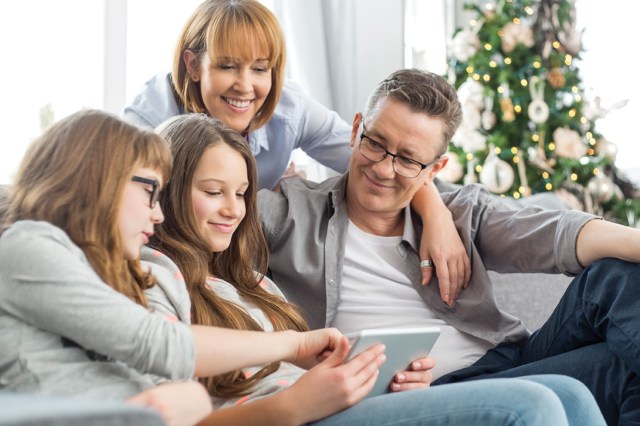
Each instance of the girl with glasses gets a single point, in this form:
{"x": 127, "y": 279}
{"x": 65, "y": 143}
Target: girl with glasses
{"x": 210, "y": 259}
{"x": 74, "y": 317}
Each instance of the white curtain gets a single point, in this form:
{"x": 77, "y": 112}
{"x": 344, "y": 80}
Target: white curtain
{"x": 320, "y": 38}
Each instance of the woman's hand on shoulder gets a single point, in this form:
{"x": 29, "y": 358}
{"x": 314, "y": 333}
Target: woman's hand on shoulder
{"x": 334, "y": 384}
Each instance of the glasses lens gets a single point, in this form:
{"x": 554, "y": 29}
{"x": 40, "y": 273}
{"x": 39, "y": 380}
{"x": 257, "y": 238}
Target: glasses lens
{"x": 406, "y": 167}
{"x": 372, "y": 149}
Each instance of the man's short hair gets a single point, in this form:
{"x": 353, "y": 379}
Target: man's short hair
{"x": 423, "y": 92}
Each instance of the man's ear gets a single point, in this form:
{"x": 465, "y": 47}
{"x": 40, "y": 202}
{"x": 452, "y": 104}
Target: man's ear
{"x": 191, "y": 63}
{"x": 357, "y": 119}
{"x": 435, "y": 169}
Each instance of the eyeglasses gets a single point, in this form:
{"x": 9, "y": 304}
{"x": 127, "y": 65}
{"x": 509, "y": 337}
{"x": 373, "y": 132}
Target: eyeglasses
{"x": 374, "y": 151}
{"x": 154, "y": 194}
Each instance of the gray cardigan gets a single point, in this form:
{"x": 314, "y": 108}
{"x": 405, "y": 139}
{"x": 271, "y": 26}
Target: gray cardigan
{"x": 305, "y": 224}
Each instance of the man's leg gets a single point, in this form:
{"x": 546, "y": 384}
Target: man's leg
{"x": 602, "y": 304}
{"x": 486, "y": 402}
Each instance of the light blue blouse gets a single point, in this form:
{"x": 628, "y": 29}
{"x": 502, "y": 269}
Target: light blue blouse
{"x": 298, "y": 122}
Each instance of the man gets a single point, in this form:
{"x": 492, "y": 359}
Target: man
{"x": 345, "y": 251}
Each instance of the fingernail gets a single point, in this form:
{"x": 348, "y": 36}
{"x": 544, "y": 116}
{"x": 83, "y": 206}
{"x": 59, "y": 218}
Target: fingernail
{"x": 395, "y": 386}
{"x": 416, "y": 365}
{"x": 400, "y": 377}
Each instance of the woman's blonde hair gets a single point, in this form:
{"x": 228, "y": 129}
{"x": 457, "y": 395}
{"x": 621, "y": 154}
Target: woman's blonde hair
{"x": 243, "y": 263}
{"x": 73, "y": 177}
{"x": 230, "y": 29}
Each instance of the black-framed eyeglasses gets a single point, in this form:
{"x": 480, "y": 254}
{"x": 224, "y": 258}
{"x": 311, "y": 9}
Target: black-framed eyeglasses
{"x": 374, "y": 151}
{"x": 154, "y": 194}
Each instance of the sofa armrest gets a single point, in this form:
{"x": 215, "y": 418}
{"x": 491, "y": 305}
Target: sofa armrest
{"x": 36, "y": 410}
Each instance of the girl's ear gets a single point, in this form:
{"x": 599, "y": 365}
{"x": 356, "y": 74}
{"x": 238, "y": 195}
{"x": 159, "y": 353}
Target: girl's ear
{"x": 191, "y": 62}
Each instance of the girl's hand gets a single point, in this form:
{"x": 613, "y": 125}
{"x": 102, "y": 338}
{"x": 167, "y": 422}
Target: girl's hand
{"x": 418, "y": 377}
{"x": 179, "y": 404}
{"x": 314, "y": 346}
{"x": 333, "y": 385}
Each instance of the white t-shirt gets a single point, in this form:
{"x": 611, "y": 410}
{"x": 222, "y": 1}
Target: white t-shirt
{"x": 376, "y": 293}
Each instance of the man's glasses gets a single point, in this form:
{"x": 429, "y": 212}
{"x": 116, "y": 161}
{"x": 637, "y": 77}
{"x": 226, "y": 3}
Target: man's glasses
{"x": 154, "y": 194}
{"x": 374, "y": 151}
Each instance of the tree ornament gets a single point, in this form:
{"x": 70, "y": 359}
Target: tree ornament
{"x": 601, "y": 188}
{"x": 497, "y": 175}
{"x": 606, "y": 149}
{"x": 488, "y": 116}
{"x": 522, "y": 174}
{"x": 470, "y": 177}
{"x": 538, "y": 109}
{"x": 556, "y": 78}
{"x": 513, "y": 33}
{"x": 465, "y": 44}
{"x": 569, "y": 144}
{"x": 508, "y": 111}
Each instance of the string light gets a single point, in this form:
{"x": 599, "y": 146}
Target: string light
{"x": 552, "y": 146}
{"x": 487, "y": 46}
{"x": 514, "y": 150}
{"x": 596, "y": 171}
{"x": 556, "y": 45}
{"x": 574, "y": 177}
{"x": 572, "y": 112}
{"x": 548, "y": 187}
{"x": 516, "y": 21}
{"x": 516, "y": 159}
{"x": 528, "y": 10}
{"x": 537, "y": 64}
{"x": 517, "y": 108}
{"x": 545, "y": 175}
{"x": 469, "y": 156}
{"x": 507, "y": 60}
{"x": 535, "y": 137}
{"x": 524, "y": 82}
{"x": 486, "y": 77}
{"x": 478, "y": 168}
{"x": 497, "y": 150}
{"x": 476, "y": 76}
{"x": 469, "y": 69}
{"x": 493, "y": 63}
{"x": 516, "y": 195}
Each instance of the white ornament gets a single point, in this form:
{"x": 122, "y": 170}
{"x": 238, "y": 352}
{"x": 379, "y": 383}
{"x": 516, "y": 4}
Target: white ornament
{"x": 471, "y": 93}
{"x": 470, "y": 117}
{"x": 470, "y": 140}
{"x": 470, "y": 177}
{"x": 465, "y": 44}
{"x": 513, "y": 33}
{"x": 607, "y": 149}
{"x": 538, "y": 109}
{"x": 602, "y": 188}
{"x": 497, "y": 175}
{"x": 454, "y": 171}
{"x": 569, "y": 144}
{"x": 488, "y": 116}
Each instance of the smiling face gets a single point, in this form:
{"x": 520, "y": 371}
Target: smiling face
{"x": 232, "y": 89}
{"x": 136, "y": 218}
{"x": 375, "y": 190}
{"x": 217, "y": 194}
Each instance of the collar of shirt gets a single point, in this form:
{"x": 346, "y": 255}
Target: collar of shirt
{"x": 258, "y": 140}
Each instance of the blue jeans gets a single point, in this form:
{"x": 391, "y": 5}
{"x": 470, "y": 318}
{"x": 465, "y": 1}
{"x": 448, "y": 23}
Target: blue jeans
{"x": 535, "y": 400}
{"x": 593, "y": 335}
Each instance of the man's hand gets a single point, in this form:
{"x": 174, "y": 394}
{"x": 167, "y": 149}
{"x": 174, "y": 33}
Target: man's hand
{"x": 418, "y": 377}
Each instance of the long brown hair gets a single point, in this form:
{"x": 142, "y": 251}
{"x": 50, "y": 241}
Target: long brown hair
{"x": 243, "y": 264}
{"x": 73, "y": 176}
{"x": 230, "y": 28}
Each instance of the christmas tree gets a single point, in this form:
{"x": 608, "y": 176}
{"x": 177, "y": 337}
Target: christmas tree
{"x": 527, "y": 125}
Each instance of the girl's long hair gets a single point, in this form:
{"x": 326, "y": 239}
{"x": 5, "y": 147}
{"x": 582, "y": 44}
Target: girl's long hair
{"x": 243, "y": 263}
{"x": 73, "y": 177}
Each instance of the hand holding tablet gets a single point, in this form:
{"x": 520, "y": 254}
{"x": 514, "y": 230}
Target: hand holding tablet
{"x": 403, "y": 345}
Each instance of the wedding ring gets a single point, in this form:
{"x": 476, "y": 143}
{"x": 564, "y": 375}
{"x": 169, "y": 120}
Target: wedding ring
{"x": 427, "y": 263}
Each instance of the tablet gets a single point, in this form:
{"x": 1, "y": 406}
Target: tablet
{"x": 403, "y": 346}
